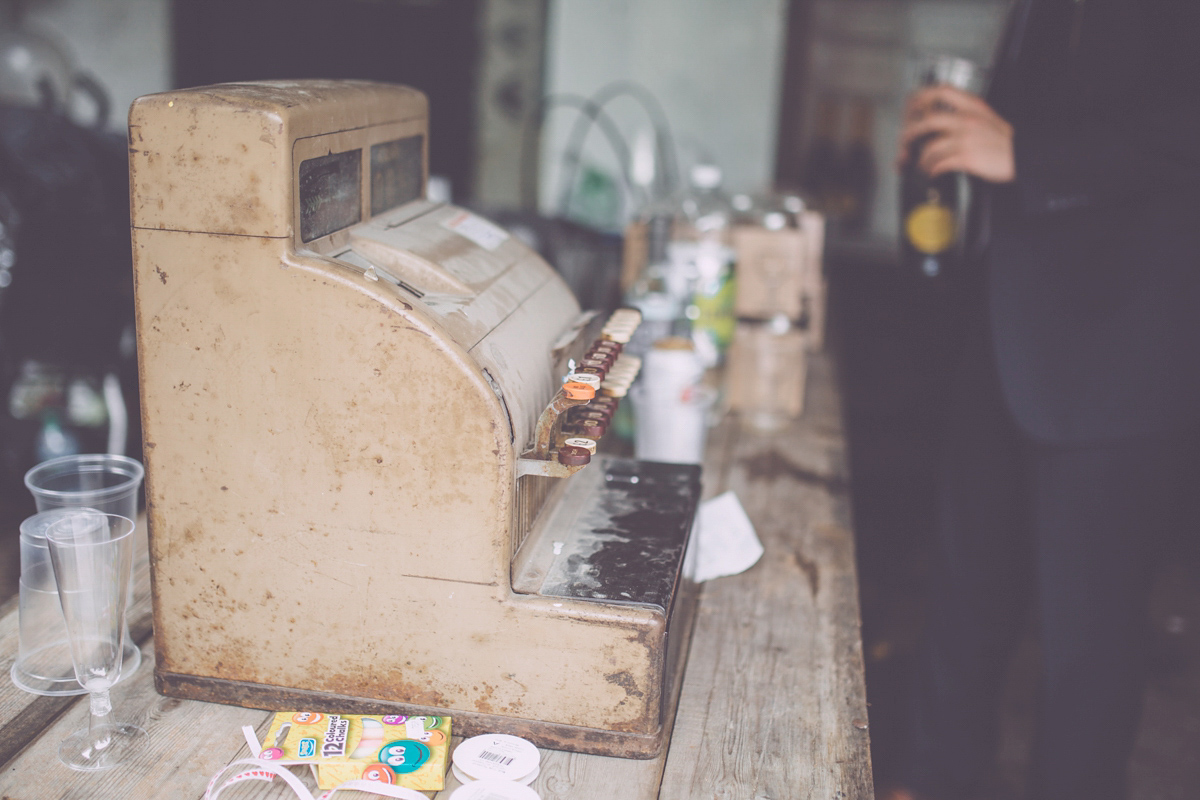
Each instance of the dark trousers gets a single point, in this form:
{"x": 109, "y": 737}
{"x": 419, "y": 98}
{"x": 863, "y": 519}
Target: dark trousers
{"x": 1072, "y": 531}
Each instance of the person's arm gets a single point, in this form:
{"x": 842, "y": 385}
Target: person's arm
{"x": 963, "y": 134}
{"x": 1062, "y": 165}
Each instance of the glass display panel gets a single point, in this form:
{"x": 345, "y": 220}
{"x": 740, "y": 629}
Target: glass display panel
{"x": 397, "y": 173}
{"x": 330, "y": 193}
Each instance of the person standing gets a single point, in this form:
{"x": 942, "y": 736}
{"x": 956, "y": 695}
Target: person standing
{"x": 1078, "y": 387}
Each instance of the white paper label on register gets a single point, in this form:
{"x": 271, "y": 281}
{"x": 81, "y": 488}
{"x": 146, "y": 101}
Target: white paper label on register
{"x": 726, "y": 540}
{"x": 477, "y": 229}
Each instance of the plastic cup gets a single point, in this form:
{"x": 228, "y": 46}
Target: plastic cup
{"x": 43, "y": 664}
{"x": 671, "y": 428}
{"x": 670, "y": 407}
{"x": 106, "y": 483}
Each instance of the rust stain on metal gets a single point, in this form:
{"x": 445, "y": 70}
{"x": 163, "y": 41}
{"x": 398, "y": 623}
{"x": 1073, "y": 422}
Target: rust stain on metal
{"x": 626, "y": 682}
{"x": 623, "y": 741}
{"x": 394, "y": 684}
{"x": 646, "y": 637}
{"x": 483, "y": 703}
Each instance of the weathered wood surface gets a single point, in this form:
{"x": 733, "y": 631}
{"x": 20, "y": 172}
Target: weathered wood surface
{"x": 773, "y": 704}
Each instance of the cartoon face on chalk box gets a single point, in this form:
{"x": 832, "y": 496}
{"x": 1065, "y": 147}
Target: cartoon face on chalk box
{"x": 393, "y": 749}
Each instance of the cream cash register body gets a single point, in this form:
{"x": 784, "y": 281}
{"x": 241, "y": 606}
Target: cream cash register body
{"x": 361, "y": 494}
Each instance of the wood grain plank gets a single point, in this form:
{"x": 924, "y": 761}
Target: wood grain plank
{"x": 189, "y": 741}
{"x": 774, "y": 703}
{"x": 572, "y": 776}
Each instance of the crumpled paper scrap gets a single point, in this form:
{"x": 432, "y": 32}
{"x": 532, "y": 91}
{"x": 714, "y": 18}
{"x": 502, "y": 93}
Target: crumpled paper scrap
{"x": 725, "y": 538}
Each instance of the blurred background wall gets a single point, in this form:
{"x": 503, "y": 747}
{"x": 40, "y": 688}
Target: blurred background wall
{"x": 125, "y": 43}
{"x": 744, "y": 83}
{"x": 714, "y": 65}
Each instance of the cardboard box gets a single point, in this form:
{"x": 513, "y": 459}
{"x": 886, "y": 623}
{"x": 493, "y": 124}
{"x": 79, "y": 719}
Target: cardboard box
{"x": 404, "y": 751}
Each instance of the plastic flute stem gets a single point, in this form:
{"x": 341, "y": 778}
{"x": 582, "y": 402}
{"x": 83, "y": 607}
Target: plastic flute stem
{"x": 101, "y": 707}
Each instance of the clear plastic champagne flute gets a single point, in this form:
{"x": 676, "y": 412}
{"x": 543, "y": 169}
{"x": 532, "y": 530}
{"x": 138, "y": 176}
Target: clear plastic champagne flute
{"x": 92, "y": 556}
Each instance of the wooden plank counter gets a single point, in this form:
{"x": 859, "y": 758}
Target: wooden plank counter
{"x": 773, "y": 705}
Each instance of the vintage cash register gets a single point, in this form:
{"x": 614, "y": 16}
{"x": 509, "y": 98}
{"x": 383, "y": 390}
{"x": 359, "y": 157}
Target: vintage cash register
{"x": 369, "y": 426}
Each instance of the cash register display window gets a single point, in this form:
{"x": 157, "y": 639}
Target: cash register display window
{"x": 396, "y": 172}
{"x": 330, "y": 193}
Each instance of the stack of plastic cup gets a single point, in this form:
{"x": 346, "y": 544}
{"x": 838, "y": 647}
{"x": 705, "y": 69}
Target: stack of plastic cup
{"x": 43, "y": 664}
{"x": 107, "y": 483}
{"x": 104, "y": 482}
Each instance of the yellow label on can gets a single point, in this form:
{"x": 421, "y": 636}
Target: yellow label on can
{"x": 930, "y": 228}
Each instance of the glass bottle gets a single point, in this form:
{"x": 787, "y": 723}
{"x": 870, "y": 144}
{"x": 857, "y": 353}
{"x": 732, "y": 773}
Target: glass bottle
{"x": 702, "y": 250}
{"x": 932, "y": 208}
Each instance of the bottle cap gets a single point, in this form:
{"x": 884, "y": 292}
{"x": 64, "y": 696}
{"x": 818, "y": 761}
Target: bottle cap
{"x": 609, "y": 404}
{"x": 589, "y": 418}
{"x": 607, "y": 357}
{"x": 574, "y": 456}
{"x": 588, "y": 428}
{"x": 579, "y": 441}
{"x": 590, "y": 378}
{"x": 578, "y": 391}
{"x": 594, "y": 363}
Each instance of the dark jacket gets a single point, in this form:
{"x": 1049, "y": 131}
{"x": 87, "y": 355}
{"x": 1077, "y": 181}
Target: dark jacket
{"x": 1093, "y": 253}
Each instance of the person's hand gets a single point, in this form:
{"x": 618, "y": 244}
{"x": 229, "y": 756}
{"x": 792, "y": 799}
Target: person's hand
{"x": 966, "y": 135}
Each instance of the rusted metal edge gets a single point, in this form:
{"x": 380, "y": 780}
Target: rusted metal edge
{"x": 548, "y": 422}
{"x": 465, "y": 723}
